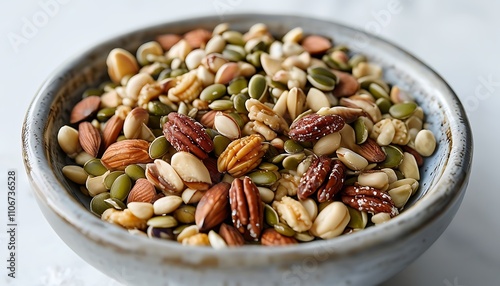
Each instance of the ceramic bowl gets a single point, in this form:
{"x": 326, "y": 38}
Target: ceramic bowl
{"x": 362, "y": 258}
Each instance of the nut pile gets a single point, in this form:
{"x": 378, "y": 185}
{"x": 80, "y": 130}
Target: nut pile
{"x": 221, "y": 138}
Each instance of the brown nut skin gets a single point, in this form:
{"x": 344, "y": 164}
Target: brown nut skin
{"x": 314, "y": 126}
{"x": 247, "y": 210}
{"x": 186, "y": 134}
{"x": 126, "y": 152}
{"x": 89, "y": 137}
{"x": 271, "y": 237}
{"x": 333, "y": 183}
{"x": 418, "y": 157}
{"x": 369, "y": 199}
{"x": 213, "y": 207}
{"x": 231, "y": 235}
{"x": 85, "y": 109}
{"x": 347, "y": 86}
{"x": 371, "y": 151}
{"x": 314, "y": 177}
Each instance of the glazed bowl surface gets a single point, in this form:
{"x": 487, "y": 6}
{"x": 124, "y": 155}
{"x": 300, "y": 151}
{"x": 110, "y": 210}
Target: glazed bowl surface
{"x": 367, "y": 257}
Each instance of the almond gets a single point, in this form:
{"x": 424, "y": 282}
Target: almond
{"x": 111, "y": 131}
{"x": 231, "y": 235}
{"x": 315, "y": 44}
{"x": 271, "y": 237}
{"x": 85, "y": 108}
{"x": 142, "y": 191}
{"x": 90, "y": 138}
{"x": 197, "y": 38}
{"x": 371, "y": 151}
{"x": 123, "y": 153}
{"x": 213, "y": 207}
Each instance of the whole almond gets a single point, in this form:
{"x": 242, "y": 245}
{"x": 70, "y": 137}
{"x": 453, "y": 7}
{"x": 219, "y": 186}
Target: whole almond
{"x": 371, "y": 151}
{"x": 213, "y": 207}
{"x": 197, "y": 38}
{"x": 168, "y": 40}
{"x": 271, "y": 237}
{"x": 123, "y": 153}
{"x": 231, "y": 235}
{"x": 89, "y": 137}
{"x": 85, "y": 108}
{"x": 315, "y": 44}
{"x": 142, "y": 191}
{"x": 111, "y": 131}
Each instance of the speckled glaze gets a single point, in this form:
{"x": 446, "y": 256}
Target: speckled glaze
{"x": 364, "y": 258}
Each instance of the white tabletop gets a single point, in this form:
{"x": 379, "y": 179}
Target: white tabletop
{"x": 459, "y": 39}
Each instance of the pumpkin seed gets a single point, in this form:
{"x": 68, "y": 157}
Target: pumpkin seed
{"x": 111, "y": 177}
{"x": 279, "y": 158}
{"x": 257, "y": 87}
{"x": 292, "y": 162}
{"x": 263, "y": 177}
{"x": 160, "y": 232}
{"x": 94, "y": 167}
{"x": 377, "y": 91}
{"x": 266, "y": 194}
{"x": 356, "y": 59}
{"x": 321, "y": 82}
{"x": 254, "y": 58}
{"x": 365, "y": 82}
{"x": 92, "y": 91}
{"x": 238, "y": 118}
{"x": 98, "y": 205}
{"x": 158, "y": 108}
{"x": 135, "y": 172}
{"x": 220, "y": 144}
{"x": 221, "y": 104}
{"x": 185, "y": 214}
{"x": 284, "y": 229}
{"x": 303, "y": 236}
{"x": 162, "y": 221}
{"x": 383, "y": 104}
{"x": 105, "y": 113}
{"x": 239, "y": 101}
{"x": 178, "y": 72}
{"x": 237, "y": 85}
{"x": 212, "y": 132}
{"x": 115, "y": 203}
{"x": 233, "y": 38}
{"x": 402, "y": 110}
{"x": 394, "y": 157}
{"x": 360, "y": 130}
{"x": 321, "y": 71}
{"x": 350, "y": 181}
{"x": 270, "y": 215}
{"x": 158, "y": 148}
{"x": 213, "y": 92}
{"x": 232, "y": 55}
{"x": 121, "y": 187}
{"x": 292, "y": 147}
{"x": 358, "y": 218}
{"x": 268, "y": 166}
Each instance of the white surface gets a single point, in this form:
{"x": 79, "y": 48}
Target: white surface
{"x": 459, "y": 39}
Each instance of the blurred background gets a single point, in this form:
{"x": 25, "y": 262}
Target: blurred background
{"x": 459, "y": 39}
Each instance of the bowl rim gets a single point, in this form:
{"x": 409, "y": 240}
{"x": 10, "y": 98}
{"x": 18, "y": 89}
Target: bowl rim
{"x": 448, "y": 188}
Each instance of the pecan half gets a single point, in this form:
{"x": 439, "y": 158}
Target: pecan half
{"x": 231, "y": 235}
{"x": 271, "y": 237}
{"x": 247, "y": 211}
{"x": 242, "y": 155}
{"x": 314, "y": 177}
{"x": 314, "y": 126}
{"x": 213, "y": 207}
{"x": 334, "y": 183}
{"x": 186, "y": 134}
{"x": 369, "y": 199}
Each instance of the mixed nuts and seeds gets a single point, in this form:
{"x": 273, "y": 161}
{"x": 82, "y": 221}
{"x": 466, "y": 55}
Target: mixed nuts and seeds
{"x": 221, "y": 138}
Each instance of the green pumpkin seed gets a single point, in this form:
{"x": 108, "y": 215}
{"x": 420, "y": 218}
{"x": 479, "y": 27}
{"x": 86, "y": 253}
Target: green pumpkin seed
{"x": 330, "y": 62}
{"x": 180, "y": 228}
{"x": 292, "y": 162}
{"x": 121, "y": 187}
{"x": 221, "y": 104}
{"x": 358, "y": 218}
{"x": 377, "y": 91}
{"x": 213, "y": 92}
{"x": 303, "y": 236}
{"x": 164, "y": 74}
{"x": 321, "y": 71}
{"x": 233, "y": 38}
{"x": 154, "y": 122}
{"x": 254, "y": 59}
{"x": 263, "y": 177}
{"x": 92, "y": 91}
{"x": 104, "y": 114}
{"x": 162, "y": 221}
{"x": 383, "y": 104}
{"x": 111, "y": 177}
{"x": 185, "y": 214}
{"x": 356, "y": 59}
{"x": 278, "y": 158}
{"x": 323, "y": 205}
{"x": 232, "y": 55}
{"x": 135, "y": 172}
{"x": 98, "y": 205}
{"x": 278, "y": 85}
{"x": 237, "y": 118}
{"x": 394, "y": 157}
{"x": 365, "y": 82}
{"x": 107, "y": 86}
{"x": 239, "y": 103}
{"x": 402, "y": 110}
{"x": 270, "y": 215}
{"x": 257, "y": 87}
{"x": 399, "y": 174}
{"x": 284, "y": 229}
{"x": 94, "y": 167}
{"x": 322, "y": 82}
{"x": 220, "y": 144}
{"x": 351, "y": 181}
{"x": 158, "y": 108}
{"x": 292, "y": 147}
{"x": 360, "y": 130}
{"x": 178, "y": 72}
{"x": 75, "y": 173}
{"x": 268, "y": 166}
{"x": 237, "y": 85}
{"x": 115, "y": 203}
{"x": 158, "y": 147}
